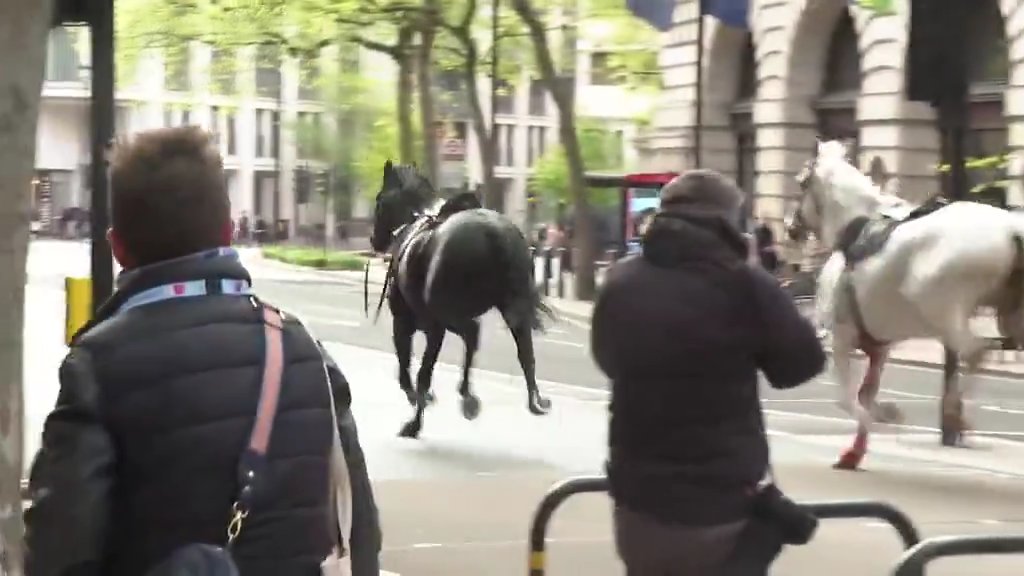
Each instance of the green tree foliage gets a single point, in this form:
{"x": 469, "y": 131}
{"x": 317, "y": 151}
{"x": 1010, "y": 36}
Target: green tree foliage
{"x": 372, "y": 138}
{"x": 602, "y": 152}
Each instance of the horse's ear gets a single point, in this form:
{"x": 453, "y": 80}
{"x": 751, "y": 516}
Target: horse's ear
{"x": 388, "y": 166}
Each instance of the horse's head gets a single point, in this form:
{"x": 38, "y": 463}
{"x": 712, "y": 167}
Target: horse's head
{"x": 807, "y": 214}
{"x": 404, "y": 194}
{"x": 829, "y": 182}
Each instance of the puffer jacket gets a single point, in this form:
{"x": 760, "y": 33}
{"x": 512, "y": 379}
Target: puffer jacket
{"x": 156, "y": 404}
{"x": 682, "y": 332}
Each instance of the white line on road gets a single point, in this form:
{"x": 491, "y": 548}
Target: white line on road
{"x": 337, "y": 322}
{"x": 1001, "y": 409}
{"x": 561, "y": 342}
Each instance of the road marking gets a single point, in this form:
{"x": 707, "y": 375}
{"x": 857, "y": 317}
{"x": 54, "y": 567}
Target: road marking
{"x": 561, "y": 342}
{"x": 1001, "y": 409}
{"x": 337, "y": 322}
{"x": 991, "y": 435}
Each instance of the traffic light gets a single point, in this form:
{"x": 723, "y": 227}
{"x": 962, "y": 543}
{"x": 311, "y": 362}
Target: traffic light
{"x": 322, "y": 183}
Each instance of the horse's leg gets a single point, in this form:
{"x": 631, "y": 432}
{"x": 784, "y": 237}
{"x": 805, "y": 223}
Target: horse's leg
{"x": 842, "y": 350}
{"x": 402, "y": 331}
{"x": 470, "y": 333}
{"x": 435, "y": 338}
{"x": 522, "y": 332}
{"x": 961, "y": 340}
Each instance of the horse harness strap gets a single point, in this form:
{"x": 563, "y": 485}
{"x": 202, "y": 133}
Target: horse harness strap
{"x": 425, "y": 222}
{"x": 865, "y": 237}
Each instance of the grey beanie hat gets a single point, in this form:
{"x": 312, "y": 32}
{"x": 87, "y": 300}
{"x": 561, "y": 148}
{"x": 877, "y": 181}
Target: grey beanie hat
{"x": 703, "y": 192}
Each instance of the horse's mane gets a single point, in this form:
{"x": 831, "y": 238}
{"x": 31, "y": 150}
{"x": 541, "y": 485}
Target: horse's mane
{"x": 842, "y": 175}
{"x": 414, "y": 187}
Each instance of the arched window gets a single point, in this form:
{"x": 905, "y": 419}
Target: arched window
{"x": 743, "y": 121}
{"x": 840, "y": 86}
{"x": 987, "y": 71}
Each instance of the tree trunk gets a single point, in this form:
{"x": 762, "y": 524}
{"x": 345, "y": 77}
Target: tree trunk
{"x": 583, "y": 245}
{"x": 403, "y": 57}
{"x": 23, "y": 33}
{"x": 483, "y": 132}
{"x": 424, "y": 71}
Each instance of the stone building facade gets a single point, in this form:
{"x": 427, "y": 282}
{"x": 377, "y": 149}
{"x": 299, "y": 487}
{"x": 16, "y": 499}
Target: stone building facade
{"x": 808, "y": 68}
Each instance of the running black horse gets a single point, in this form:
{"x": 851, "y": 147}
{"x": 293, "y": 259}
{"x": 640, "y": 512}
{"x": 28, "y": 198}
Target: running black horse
{"x": 446, "y": 271}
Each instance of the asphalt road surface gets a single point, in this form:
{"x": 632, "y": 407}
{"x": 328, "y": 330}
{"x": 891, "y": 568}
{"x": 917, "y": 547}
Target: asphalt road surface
{"x": 334, "y": 310}
{"x": 457, "y": 502}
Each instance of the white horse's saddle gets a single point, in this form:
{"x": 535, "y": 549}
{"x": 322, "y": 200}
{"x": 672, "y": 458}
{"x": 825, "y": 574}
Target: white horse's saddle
{"x": 866, "y": 236}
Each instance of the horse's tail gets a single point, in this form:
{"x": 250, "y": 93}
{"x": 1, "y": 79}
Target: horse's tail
{"x": 541, "y": 310}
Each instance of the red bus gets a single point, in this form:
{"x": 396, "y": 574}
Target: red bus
{"x": 638, "y": 197}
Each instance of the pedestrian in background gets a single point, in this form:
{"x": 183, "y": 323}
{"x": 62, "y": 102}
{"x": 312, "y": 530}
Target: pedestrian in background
{"x": 682, "y": 331}
{"x": 158, "y": 397}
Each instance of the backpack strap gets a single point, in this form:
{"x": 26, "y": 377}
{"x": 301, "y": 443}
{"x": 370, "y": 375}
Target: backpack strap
{"x": 253, "y": 462}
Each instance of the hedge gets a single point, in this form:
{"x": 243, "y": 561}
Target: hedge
{"x": 315, "y": 258}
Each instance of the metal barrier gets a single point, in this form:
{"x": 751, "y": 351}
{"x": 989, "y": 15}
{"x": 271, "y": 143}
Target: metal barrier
{"x": 850, "y": 509}
{"x": 558, "y": 494}
{"x": 561, "y": 492}
{"x": 913, "y": 561}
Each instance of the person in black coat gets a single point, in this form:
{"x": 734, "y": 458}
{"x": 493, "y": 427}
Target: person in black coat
{"x": 682, "y": 331}
{"x": 158, "y": 395}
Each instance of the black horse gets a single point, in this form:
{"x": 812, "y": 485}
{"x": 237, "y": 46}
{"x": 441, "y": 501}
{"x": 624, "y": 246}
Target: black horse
{"x": 447, "y": 270}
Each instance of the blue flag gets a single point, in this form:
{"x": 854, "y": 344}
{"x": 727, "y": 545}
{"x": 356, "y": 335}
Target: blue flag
{"x": 729, "y": 12}
{"x": 657, "y": 13}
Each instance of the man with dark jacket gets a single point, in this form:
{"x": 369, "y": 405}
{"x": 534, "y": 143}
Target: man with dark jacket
{"x": 682, "y": 331}
{"x": 159, "y": 393}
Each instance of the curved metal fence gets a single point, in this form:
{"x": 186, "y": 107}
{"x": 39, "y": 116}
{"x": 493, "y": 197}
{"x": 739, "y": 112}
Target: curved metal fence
{"x": 562, "y": 491}
{"x": 915, "y": 560}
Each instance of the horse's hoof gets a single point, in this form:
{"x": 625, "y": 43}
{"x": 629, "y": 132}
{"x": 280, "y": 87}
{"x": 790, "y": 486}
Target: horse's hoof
{"x": 539, "y": 405}
{"x": 849, "y": 460}
{"x": 430, "y": 397}
{"x": 888, "y": 413}
{"x": 411, "y": 429}
{"x": 470, "y": 406}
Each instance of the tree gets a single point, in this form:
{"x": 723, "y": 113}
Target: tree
{"x": 562, "y": 93}
{"x": 601, "y": 151}
{"x": 23, "y": 35}
{"x": 366, "y": 118}
{"x": 300, "y": 28}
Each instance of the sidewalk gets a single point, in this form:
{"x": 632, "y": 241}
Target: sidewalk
{"x": 924, "y": 353}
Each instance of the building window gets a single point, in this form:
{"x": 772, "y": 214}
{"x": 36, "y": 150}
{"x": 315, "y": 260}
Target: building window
{"x": 601, "y": 71}
{"x": 122, "y": 119}
{"x": 62, "y": 60}
{"x": 506, "y": 145}
{"x": 268, "y": 71}
{"x": 262, "y": 131}
{"x": 229, "y": 129}
{"x": 168, "y": 118}
{"x": 309, "y": 136}
{"x": 309, "y": 78}
{"x": 176, "y": 69}
{"x": 837, "y": 106}
{"x": 223, "y": 71}
{"x": 538, "y": 98}
{"x": 505, "y": 99}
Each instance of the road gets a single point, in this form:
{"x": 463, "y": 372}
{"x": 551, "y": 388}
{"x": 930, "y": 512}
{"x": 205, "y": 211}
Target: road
{"x": 458, "y": 501}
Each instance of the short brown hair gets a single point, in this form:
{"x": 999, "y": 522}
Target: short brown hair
{"x": 168, "y": 197}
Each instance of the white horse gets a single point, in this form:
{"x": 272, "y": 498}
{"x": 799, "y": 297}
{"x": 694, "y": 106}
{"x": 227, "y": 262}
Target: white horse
{"x": 926, "y": 280}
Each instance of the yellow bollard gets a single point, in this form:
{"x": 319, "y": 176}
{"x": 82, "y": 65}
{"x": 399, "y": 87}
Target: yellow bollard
{"x": 78, "y": 307}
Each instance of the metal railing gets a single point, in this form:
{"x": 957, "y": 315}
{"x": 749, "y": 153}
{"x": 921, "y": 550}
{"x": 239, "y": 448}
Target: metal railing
{"x": 561, "y": 492}
{"x": 914, "y": 560}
